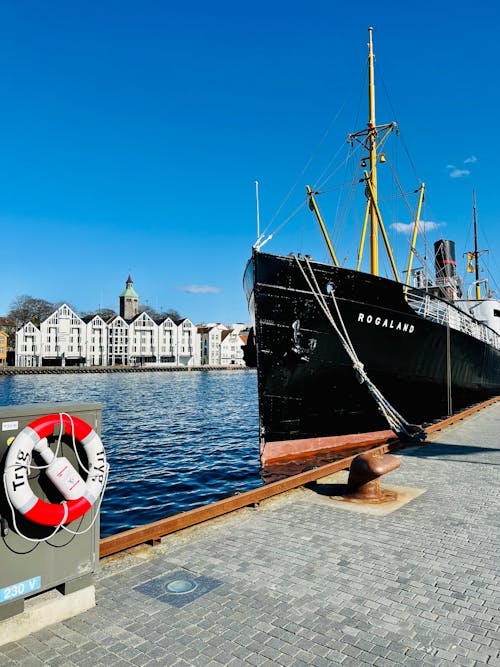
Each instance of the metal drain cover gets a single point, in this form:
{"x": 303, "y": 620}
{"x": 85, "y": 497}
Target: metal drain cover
{"x": 177, "y": 588}
{"x": 180, "y": 586}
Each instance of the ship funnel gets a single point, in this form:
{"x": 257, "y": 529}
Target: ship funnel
{"x": 446, "y": 269}
{"x": 446, "y": 265}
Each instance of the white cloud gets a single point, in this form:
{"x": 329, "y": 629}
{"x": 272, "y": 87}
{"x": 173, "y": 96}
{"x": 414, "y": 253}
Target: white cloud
{"x": 454, "y": 172}
{"x": 200, "y": 289}
{"x": 457, "y": 172}
{"x": 423, "y": 226}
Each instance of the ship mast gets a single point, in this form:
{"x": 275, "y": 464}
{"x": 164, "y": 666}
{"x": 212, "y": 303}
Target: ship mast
{"x": 372, "y": 138}
{"x": 476, "y": 253}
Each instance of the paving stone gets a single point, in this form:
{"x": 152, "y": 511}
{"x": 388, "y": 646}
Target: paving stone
{"x": 303, "y": 582}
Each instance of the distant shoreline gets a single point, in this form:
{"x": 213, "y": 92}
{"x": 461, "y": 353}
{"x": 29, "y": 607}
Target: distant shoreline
{"x": 59, "y": 370}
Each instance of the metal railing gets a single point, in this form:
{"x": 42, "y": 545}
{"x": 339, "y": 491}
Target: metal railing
{"x": 431, "y": 308}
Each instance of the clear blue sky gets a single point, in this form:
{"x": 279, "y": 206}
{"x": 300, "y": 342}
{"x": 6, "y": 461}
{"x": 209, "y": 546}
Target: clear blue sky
{"x": 131, "y": 135}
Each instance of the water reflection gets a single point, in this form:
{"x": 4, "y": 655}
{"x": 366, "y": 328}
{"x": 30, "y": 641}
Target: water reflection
{"x": 175, "y": 441}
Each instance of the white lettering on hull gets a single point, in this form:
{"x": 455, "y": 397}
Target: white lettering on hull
{"x": 386, "y": 323}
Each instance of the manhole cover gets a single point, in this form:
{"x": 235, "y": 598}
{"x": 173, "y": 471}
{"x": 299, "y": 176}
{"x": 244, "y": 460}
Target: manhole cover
{"x": 180, "y": 586}
{"x": 177, "y": 588}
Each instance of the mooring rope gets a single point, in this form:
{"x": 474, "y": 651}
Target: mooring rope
{"x": 397, "y": 422}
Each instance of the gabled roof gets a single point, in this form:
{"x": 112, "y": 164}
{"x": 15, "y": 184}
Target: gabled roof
{"x": 89, "y": 318}
{"x": 210, "y": 327}
{"x": 58, "y": 310}
{"x": 26, "y": 324}
{"x": 136, "y": 317}
{"x": 118, "y": 317}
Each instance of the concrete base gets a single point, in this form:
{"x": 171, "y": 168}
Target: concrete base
{"x": 326, "y": 493}
{"x": 44, "y": 610}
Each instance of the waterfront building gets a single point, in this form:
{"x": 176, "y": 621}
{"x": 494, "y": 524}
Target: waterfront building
{"x": 118, "y": 351}
{"x": 59, "y": 341}
{"x": 142, "y": 340}
{"x": 231, "y": 351}
{"x": 63, "y": 336}
{"x": 3, "y": 348}
{"x": 131, "y": 338}
{"x": 209, "y": 338}
{"x": 220, "y": 345}
{"x": 65, "y": 339}
{"x": 8, "y": 326}
{"x": 28, "y": 345}
{"x": 96, "y": 350}
{"x": 187, "y": 338}
{"x": 167, "y": 342}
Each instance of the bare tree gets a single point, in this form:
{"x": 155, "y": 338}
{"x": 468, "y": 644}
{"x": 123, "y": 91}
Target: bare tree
{"x": 173, "y": 314}
{"x": 153, "y": 314}
{"x": 106, "y": 313}
{"x": 160, "y": 315}
{"x": 26, "y": 308}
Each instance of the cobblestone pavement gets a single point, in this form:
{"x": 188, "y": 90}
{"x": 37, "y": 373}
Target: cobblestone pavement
{"x": 300, "y": 581}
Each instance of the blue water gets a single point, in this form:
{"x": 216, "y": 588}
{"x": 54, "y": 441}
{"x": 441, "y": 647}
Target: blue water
{"x": 174, "y": 441}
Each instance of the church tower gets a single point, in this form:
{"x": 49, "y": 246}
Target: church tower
{"x": 129, "y": 301}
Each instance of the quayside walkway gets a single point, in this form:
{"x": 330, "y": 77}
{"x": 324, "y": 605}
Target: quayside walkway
{"x": 304, "y": 580}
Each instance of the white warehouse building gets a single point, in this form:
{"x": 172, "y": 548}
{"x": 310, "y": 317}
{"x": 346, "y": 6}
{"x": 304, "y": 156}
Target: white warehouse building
{"x": 131, "y": 338}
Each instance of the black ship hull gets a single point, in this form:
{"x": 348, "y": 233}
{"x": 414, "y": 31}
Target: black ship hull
{"x": 306, "y": 381}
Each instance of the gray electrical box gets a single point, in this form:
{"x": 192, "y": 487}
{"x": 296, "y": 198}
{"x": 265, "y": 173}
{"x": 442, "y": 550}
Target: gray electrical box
{"x": 64, "y": 561}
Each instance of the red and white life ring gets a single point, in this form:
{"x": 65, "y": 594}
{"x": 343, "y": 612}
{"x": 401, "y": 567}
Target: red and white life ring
{"x": 79, "y": 494}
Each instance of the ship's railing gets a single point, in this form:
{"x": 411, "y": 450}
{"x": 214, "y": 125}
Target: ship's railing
{"x": 436, "y": 310}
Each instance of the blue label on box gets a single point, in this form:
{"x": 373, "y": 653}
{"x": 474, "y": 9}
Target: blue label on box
{"x": 18, "y": 590}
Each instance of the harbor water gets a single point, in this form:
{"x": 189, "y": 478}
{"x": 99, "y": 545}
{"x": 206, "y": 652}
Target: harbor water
{"x": 175, "y": 441}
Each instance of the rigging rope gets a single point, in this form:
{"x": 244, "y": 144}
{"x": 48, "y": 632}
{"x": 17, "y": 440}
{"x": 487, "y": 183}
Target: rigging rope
{"x": 402, "y": 428}
{"x": 261, "y": 243}
{"x": 299, "y": 177}
{"x": 393, "y": 111}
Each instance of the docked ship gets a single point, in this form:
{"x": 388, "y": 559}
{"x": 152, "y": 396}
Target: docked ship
{"x": 343, "y": 351}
